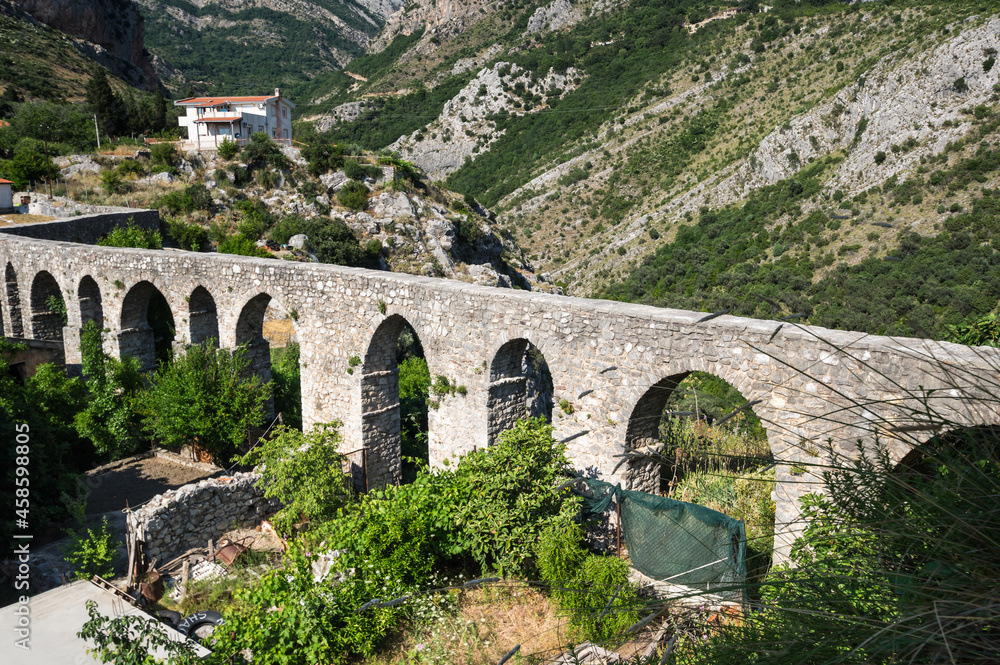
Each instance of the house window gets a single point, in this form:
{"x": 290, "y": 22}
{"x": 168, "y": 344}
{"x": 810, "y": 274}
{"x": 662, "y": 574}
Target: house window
{"x": 201, "y": 111}
{"x": 260, "y": 128}
{"x": 284, "y": 113}
{"x": 286, "y": 133}
{"x": 273, "y": 134}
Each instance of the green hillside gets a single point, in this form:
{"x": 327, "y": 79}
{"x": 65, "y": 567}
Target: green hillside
{"x": 246, "y": 49}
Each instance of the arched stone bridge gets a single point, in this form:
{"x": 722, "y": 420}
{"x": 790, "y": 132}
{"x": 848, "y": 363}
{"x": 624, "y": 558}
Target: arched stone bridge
{"x": 817, "y": 391}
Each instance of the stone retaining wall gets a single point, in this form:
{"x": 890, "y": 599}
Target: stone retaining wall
{"x": 86, "y": 229}
{"x": 177, "y": 520}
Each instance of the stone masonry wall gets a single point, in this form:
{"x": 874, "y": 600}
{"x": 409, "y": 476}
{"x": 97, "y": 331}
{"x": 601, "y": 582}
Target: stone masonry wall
{"x": 86, "y": 229}
{"x": 612, "y": 362}
{"x": 177, "y": 520}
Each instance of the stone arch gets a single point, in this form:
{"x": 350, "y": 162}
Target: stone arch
{"x": 89, "y": 297}
{"x": 13, "y": 302}
{"x": 643, "y": 428}
{"x": 203, "y": 318}
{"x": 145, "y": 339}
{"x": 520, "y": 385}
{"x": 380, "y": 407}
{"x": 47, "y": 320}
{"x": 249, "y": 334}
{"x": 643, "y": 431}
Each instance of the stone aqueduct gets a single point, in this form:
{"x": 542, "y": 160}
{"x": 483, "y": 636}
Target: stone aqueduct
{"x": 817, "y": 391}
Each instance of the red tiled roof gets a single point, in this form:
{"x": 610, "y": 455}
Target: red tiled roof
{"x": 6, "y": 182}
{"x": 221, "y": 118}
{"x": 215, "y": 101}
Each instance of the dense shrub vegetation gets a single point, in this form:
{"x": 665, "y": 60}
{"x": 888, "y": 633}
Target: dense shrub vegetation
{"x": 204, "y": 395}
{"x": 42, "y": 410}
{"x": 729, "y": 259}
{"x": 131, "y": 235}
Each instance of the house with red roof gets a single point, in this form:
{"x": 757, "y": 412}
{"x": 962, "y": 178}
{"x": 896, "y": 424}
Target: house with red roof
{"x": 6, "y": 196}
{"x": 210, "y": 120}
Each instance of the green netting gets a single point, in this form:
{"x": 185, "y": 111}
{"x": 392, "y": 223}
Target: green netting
{"x": 675, "y": 541}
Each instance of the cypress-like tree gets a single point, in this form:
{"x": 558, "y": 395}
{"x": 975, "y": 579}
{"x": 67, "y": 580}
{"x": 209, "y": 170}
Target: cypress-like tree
{"x": 103, "y": 101}
{"x": 159, "y": 111}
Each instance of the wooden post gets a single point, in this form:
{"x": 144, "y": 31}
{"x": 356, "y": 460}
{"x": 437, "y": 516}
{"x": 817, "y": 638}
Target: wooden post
{"x": 185, "y": 570}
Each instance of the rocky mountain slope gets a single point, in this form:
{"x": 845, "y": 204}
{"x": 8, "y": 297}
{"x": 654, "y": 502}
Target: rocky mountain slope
{"x": 47, "y": 47}
{"x": 242, "y": 47}
{"x": 599, "y": 129}
{"x": 401, "y": 224}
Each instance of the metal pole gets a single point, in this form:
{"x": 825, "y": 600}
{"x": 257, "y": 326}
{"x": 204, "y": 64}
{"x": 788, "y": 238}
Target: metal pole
{"x": 98, "y": 132}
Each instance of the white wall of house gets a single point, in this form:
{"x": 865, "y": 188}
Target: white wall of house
{"x": 6, "y": 196}
{"x": 209, "y": 124}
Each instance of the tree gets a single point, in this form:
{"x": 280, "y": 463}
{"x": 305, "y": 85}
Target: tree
{"x": 334, "y": 242}
{"x": 287, "y": 386}
{"x": 28, "y": 166}
{"x": 159, "y": 111}
{"x": 304, "y": 472}
{"x": 35, "y": 420}
{"x": 205, "y": 396}
{"x": 105, "y": 103}
{"x": 110, "y": 418}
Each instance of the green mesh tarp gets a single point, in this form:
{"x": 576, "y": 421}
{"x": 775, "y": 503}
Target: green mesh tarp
{"x": 675, "y": 541}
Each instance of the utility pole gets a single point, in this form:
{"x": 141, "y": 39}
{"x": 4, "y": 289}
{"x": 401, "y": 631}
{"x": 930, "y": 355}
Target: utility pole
{"x": 98, "y": 132}
{"x": 45, "y": 143}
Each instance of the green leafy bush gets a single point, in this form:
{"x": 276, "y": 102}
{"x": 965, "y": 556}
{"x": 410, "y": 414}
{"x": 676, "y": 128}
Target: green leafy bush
{"x": 261, "y": 151}
{"x": 191, "y": 198}
{"x": 304, "y": 472}
{"x": 353, "y": 195}
{"x": 189, "y": 236}
{"x": 291, "y": 619}
{"x": 130, "y": 639}
{"x": 240, "y": 245}
{"x": 110, "y": 417}
{"x": 228, "y": 148}
{"x": 323, "y": 156}
{"x": 592, "y": 590}
{"x": 163, "y": 155}
{"x": 202, "y": 396}
{"x": 131, "y": 235}
{"x": 111, "y": 181}
{"x": 288, "y": 226}
{"x": 93, "y": 554}
{"x": 334, "y": 242}
{"x": 357, "y": 171}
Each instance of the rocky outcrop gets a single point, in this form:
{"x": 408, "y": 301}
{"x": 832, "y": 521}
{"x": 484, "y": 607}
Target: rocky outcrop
{"x": 112, "y": 31}
{"x": 560, "y": 14}
{"x": 464, "y": 128}
{"x": 348, "y": 112}
{"x": 905, "y": 109}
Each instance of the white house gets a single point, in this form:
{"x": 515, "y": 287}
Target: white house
{"x": 6, "y": 197}
{"x": 210, "y": 120}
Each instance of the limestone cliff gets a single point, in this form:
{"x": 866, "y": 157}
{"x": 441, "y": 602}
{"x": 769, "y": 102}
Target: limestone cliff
{"x": 113, "y": 32}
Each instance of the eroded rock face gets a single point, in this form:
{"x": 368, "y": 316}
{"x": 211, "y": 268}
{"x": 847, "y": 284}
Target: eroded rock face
{"x": 115, "y": 26}
{"x": 464, "y": 129}
{"x": 554, "y": 16}
{"x": 914, "y": 103}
